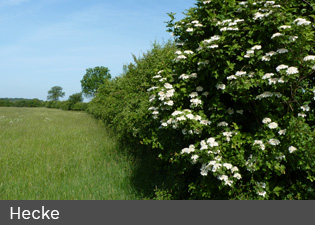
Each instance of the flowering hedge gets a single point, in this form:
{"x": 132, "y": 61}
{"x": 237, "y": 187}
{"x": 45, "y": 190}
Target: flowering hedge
{"x": 235, "y": 112}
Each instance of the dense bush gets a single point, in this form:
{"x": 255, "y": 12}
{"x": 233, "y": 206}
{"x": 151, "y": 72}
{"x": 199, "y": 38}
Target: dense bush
{"x": 67, "y": 105}
{"x": 21, "y": 103}
{"x": 235, "y": 114}
{"x": 122, "y": 103}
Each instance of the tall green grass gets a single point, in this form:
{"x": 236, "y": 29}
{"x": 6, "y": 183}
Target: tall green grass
{"x": 50, "y": 154}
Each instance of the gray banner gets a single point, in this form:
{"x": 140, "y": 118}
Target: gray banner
{"x": 155, "y": 212}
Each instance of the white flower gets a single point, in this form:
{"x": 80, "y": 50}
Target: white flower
{"x": 228, "y": 182}
{"x": 276, "y": 35}
{"x": 188, "y": 150}
{"x": 230, "y": 111}
{"x": 181, "y": 118}
{"x": 232, "y": 77}
{"x": 240, "y": 73}
{"x": 180, "y": 57}
{"x": 273, "y": 125}
{"x": 240, "y": 111}
{"x": 302, "y": 115}
{"x": 157, "y": 77}
{"x": 190, "y": 116}
{"x": 198, "y": 25}
{"x": 195, "y": 102}
{"x": 292, "y": 70}
{"x": 305, "y": 108}
{"x": 260, "y": 143}
{"x": 234, "y": 169}
{"x": 282, "y": 67}
{"x": 170, "y": 103}
{"x": 301, "y": 21}
{"x": 193, "y": 95}
{"x": 285, "y": 27}
{"x": 237, "y": 176}
{"x": 263, "y": 193}
{"x": 267, "y": 76}
{"x": 266, "y": 120}
{"x": 256, "y": 47}
{"x": 292, "y": 149}
{"x": 195, "y": 158}
{"x": 258, "y": 15}
{"x": 273, "y": 81}
{"x": 282, "y": 50}
{"x": 193, "y": 75}
{"x": 188, "y": 52}
{"x": 282, "y": 132}
{"x": 205, "y": 94}
{"x": 168, "y": 86}
{"x": 178, "y": 52}
{"x": 152, "y": 98}
{"x": 269, "y": 3}
{"x": 203, "y": 145}
{"x": 309, "y": 57}
{"x": 272, "y": 53}
{"x": 199, "y": 89}
{"x": 176, "y": 113}
{"x": 195, "y": 22}
{"x": 223, "y": 177}
{"x": 274, "y": 142}
{"x": 212, "y": 143}
{"x": 221, "y": 86}
{"x": 189, "y": 30}
{"x": 266, "y": 94}
{"x": 228, "y": 166}
{"x": 293, "y": 38}
{"x": 223, "y": 124}
{"x": 205, "y": 122}
{"x": 155, "y": 112}
{"x": 213, "y": 46}
{"x": 265, "y": 58}
{"x": 228, "y": 135}
{"x": 206, "y": 2}
{"x": 184, "y": 77}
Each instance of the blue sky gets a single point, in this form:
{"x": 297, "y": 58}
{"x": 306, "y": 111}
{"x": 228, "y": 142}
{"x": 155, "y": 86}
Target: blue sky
{"x": 44, "y": 43}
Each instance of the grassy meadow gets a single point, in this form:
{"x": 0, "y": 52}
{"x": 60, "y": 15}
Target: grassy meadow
{"x": 48, "y": 154}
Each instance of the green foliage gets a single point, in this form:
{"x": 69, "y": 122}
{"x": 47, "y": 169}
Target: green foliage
{"x": 234, "y": 114}
{"x": 122, "y": 104}
{"x": 55, "y": 93}
{"x": 75, "y": 98}
{"x": 93, "y": 79}
{"x": 21, "y": 103}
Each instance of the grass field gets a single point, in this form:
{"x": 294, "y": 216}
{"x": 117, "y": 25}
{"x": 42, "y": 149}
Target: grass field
{"x": 48, "y": 154}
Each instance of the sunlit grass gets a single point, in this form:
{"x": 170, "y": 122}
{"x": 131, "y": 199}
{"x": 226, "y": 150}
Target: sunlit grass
{"x": 52, "y": 154}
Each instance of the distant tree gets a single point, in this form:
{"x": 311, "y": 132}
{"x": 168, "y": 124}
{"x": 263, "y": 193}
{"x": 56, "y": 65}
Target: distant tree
{"x": 93, "y": 79}
{"x": 75, "y": 98}
{"x": 55, "y": 93}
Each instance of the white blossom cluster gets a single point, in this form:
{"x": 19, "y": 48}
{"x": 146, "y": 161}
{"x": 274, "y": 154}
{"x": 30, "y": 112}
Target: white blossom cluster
{"x": 301, "y": 21}
{"x": 210, "y": 43}
{"x": 261, "y": 186}
{"x": 268, "y": 55}
{"x": 229, "y": 25}
{"x": 251, "y": 52}
{"x": 268, "y": 94}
